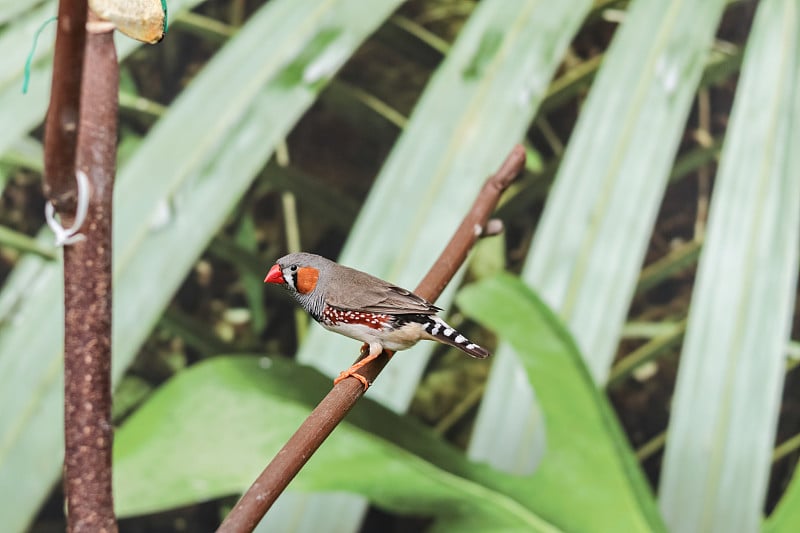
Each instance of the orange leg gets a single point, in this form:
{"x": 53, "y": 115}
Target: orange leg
{"x": 351, "y": 372}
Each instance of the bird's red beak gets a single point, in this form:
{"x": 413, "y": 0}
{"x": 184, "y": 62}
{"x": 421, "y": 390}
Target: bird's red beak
{"x": 274, "y": 275}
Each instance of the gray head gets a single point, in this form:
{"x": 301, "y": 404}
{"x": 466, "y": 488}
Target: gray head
{"x": 303, "y": 275}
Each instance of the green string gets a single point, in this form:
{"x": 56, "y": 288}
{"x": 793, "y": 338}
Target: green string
{"x": 27, "y": 77}
{"x": 164, "y": 9}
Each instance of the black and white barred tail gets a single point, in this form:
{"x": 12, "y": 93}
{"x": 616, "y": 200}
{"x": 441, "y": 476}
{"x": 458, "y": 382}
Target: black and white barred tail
{"x": 442, "y": 332}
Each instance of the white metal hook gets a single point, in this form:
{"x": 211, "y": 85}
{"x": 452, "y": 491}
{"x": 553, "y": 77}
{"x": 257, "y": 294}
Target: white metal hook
{"x": 71, "y": 235}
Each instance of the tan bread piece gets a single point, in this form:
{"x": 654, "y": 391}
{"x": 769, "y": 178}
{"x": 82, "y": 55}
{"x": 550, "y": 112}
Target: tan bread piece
{"x": 143, "y": 20}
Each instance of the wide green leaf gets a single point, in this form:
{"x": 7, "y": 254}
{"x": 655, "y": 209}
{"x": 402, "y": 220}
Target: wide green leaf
{"x": 587, "y": 464}
{"x": 593, "y": 233}
{"x": 19, "y": 113}
{"x": 727, "y": 397}
{"x": 11, "y": 9}
{"x": 172, "y": 197}
{"x": 478, "y": 104}
{"x": 786, "y": 517}
{"x": 206, "y": 432}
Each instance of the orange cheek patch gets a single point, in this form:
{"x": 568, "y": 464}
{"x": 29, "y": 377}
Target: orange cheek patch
{"x": 307, "y": 279}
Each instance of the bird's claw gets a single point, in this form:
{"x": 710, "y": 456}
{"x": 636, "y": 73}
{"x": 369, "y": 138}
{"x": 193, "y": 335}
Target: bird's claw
{"x": 350, "y": 373}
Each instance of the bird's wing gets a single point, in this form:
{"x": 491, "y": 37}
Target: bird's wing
{"x": 363, "y": 292}
{"x": 398, "y": 301}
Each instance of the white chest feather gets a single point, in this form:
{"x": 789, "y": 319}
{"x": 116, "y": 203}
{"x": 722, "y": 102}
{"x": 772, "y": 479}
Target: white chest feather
{"x": 401, "y": 338}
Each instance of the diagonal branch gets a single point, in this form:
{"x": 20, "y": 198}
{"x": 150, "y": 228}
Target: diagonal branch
{"x": 332, "y": 409}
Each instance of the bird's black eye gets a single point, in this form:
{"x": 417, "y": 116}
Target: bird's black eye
{"x": 293, "y": 268}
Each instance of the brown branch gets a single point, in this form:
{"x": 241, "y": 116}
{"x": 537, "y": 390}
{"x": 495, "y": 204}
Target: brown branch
{"x": 333, "y": 408}
{"x": 61, "y": 126}
{"x": 87, "y": 300}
